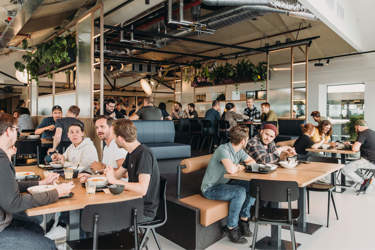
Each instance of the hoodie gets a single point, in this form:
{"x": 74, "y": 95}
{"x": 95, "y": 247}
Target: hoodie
{"x": 84, "y": 154}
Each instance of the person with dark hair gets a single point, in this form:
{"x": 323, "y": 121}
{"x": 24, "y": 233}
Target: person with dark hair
{"x": 23, "y": 117}
{"x": 18, "y": 231}
{"x": 141, "y": 167}
{"x": 163, "y": 108}
{"x": 251, "y": 111}
{"x": 365, "y": 144}
{"x": 148, "y": 112}
{"x": 60, "y": 139}
{"x": 191, "y": 113}
{"x": 323, "y": 132}
{"x": 267, "y": 115}
{"x": 231, "y": 116}
{"x": 213, "y": 115}
{"x": 304, "y": 141}
{"x": 120, "y": 111}
{"x": 109, "y": 110}
{"x": 47, "y": 127}
{"x": 317, "y": 117}
{"x": 81, "y": 153}
{"x": 112, "y": 155}
{"x": 227, "y": 159}
{"x": 262, "y": 147}
{"x": 177, "y": 112}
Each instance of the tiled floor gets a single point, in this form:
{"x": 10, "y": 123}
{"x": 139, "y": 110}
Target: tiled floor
{"x": 354, "y": 230}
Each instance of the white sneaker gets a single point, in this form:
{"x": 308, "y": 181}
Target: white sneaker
{"x": 56, "y": 233}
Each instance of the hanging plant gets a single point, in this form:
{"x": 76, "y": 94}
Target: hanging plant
{"x": 48, "y": 56}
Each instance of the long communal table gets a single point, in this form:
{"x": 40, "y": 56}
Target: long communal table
{"x": 303, "y": 174}
{"x": 74, "y": 204}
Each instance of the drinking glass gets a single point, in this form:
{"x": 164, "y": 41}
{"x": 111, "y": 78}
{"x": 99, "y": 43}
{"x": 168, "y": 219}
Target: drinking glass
{"x": 90, "y": 187}
{"x": 68, "y": 173}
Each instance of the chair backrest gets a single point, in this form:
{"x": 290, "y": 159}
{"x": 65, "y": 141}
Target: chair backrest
{"x": 224, "y": 124}
{"x": 195, "y": 163}
{"x": 27, "y": 146}
{"x": 161, "y": 215}
{"x": 155, "y": 131}
{"x": 275, "y": 191}
{"x": 323, "y": 159}
{"x": 206, "y": 123}
{"x": 112, "y": 216}
{"x": 195, "y": 125}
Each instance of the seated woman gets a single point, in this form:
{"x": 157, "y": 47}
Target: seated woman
{"x": 81, "y": 152}
{"x": 322, "y": 132}
{"x": 231, "y": 116}
{"x": 304, "y": 141}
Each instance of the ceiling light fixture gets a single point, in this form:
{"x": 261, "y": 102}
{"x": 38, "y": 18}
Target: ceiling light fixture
{"x": 146, "y": 86}
{"x": 22, "y": 76}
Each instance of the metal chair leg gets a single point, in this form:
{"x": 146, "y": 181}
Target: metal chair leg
{"x": 329, "y": 203}
{"x": 143, "y": 240}
{"x": 156, "y": 239}
{"x": 255, "y": 236}
{"x": 203, "y": 143}
{"x": 292, "y": 236}
{"x": 334, "y": 206}
{"x": 308, "y": 201}
{"x": 95, "y": 232}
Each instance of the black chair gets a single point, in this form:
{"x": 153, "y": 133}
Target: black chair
{"x": 275, "y": 192}
{"x": 208, "y": 135}
{"x": 196, "y": 132}
{"x": 223, "y": 131}
{"x": 161, "y": 216}
{"x": 323, "y": 187}
{"x": 26, "y": 149}
{"x": 107, "y": 218}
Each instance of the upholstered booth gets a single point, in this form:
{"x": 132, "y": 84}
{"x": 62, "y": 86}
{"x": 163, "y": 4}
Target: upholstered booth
{"x": 289, "y": 129}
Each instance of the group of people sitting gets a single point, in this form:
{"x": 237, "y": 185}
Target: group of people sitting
{"x": 125, "y": 161}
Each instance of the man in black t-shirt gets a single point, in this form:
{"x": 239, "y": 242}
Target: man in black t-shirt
{"x": 140, "y": 166}
{"x": 148, "y": 112}
{"x": 366, "y": 145}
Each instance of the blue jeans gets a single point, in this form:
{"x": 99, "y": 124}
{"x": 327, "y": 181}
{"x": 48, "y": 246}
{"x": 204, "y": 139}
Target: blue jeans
{"x": 22, "y": 234}
{"x": 238, "y": 195}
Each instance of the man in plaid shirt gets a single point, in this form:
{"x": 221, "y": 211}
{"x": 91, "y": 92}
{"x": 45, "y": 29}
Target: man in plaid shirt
{"x": 262, "y": 147}
{"x": 251, "y": 111}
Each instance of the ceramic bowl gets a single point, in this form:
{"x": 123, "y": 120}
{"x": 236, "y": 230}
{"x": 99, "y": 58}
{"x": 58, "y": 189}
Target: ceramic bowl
{"x": 40, "y": 189}
{"x": 288, "y": 164}
{"x": 116, "y": 189}
{"x": 99, "y": 181}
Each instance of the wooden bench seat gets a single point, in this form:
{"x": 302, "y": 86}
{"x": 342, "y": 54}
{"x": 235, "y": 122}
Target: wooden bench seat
{"x": 211, "y": 211}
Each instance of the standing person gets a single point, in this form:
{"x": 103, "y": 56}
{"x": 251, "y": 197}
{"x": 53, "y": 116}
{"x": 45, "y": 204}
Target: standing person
{"x": 140, "y": 165}
{"x": 148, "y": 112}
{"x": 268, "y": 115}
{"x": 304, "y": 141}
{"x": 251, "y": 111}
{"x": 163, "y": 108}
{"x": 61, "y": 140}
{"x": 231, "y": 116}
{"x": 14, "y": 232}
{"x": 365, "y": 144}
{"x": 81, "y": 152}
{"x": 323, "y": 132}
{"x": 177, "y": 112}
{"x": 110, "y": 108}
{"x": 120, "y": 111}
{"x": 262, "y": 147}
{"x": 317, "y": 117}
{"x": 113, "y": 155}
{"x": 23, "y": 117}
{"x": 215, "y": 186}
{"x": 191, "y": 113}
{"x": 213, "y": 115}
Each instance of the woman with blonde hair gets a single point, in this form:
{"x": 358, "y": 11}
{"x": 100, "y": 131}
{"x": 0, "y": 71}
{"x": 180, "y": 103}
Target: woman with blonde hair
{"x": 305, "y": 141}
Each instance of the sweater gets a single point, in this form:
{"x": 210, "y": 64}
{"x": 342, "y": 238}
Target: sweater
{"x": 11, "y": 199}
{"x": 84, "y": 154}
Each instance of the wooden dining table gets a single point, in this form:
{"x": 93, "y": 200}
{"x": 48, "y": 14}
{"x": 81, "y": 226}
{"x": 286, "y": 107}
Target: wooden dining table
{"x": 304, "y": 174}
{"x": 78, "y": 201}
{"x": 343, "y": 154}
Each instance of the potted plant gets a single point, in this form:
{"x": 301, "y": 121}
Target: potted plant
{"x": 349, "y": 127}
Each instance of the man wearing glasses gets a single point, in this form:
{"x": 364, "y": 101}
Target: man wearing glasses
{"x": 110, "y": 108}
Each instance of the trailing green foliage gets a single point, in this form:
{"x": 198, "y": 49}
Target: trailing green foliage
{"x": 48, "y": 56}
{"x": 349, "y": 126}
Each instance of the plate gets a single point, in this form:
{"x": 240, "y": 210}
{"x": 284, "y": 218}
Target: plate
{"x": 40, "y": 189}
{"x": 56, "y": 165}
{"x": 33, "y": 137}
{"x": 287, "y": 164}
{"x": 100, "y": 181}
{"x": 22, "y": 175}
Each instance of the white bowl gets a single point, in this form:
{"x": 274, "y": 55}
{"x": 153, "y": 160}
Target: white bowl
{"x": 33, "y": 136}
{"x": 22, "y": 175}
{"x": 99, "y": 181}
{"x": 287, "y": 164}
{"x": 40, "y": 189}
{"x": 55, "y": 165}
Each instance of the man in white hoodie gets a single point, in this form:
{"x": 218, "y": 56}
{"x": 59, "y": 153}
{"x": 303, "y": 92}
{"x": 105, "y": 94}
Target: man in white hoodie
{"x": 81, "y": 152}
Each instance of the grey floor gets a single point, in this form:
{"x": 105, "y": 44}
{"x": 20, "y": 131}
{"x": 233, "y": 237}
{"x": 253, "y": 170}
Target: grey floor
{"x": 354, "y": 229}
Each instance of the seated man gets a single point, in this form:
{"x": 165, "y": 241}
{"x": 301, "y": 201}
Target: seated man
{"x": 177, "y": 112}
{"x": 226, "y": 159}
{"x": 15, "y": 233}
{"x": 268, "y": 115}
{"x": 262, "y": 147}
{"x": 113, "y": 155}
{"x": 61, "y": 140}
{"x": 140, "y": 165}
{"x": 148, "y": 112}
{"x": 365, "y": 143}
{"x": 81, "y": 153}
